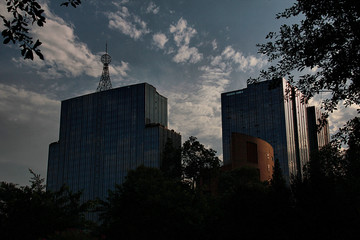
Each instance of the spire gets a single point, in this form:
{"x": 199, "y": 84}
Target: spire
{"x": 105, "y": 83}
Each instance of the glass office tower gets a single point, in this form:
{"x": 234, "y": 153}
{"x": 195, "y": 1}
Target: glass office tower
{"x": 317, "y": 139}
{"x": 105, "y": 134}
{"x": 276, "y": 115}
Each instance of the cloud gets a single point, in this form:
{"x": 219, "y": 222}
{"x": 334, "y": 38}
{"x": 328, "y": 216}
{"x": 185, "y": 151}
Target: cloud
{"x": 152, "y": 8}
{"x": 197, "y": 112}
{"x": 339, "y": 117}
{"x": 29, "y": 123}
{"x": 214, "y": 44}
{"x": 187, "y": 54}
{"x": 202, "y": 102}
{"x": 65, "y": 55}
{"x": 182, "y": 34}
{"x": 120, "y": 69}
{"x": 160, "y": 39}
{"x": 243, "y": 63}
{"x": 127, "y": 23}
{"x": 202, "y": 98}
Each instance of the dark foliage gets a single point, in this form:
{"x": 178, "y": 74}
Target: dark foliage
{"x": 200, "y": 164}
{"x": 31, "y": 213}
{"x": 71, "y": 234}
{"x": 73, "y": 3}
{"x": 328, "y": 39}
{"x": 353, "y": 152}
{"x": 149, "y": 205}
{"x": 24, "y": 14}
{"x": 171, "y": 161}
{"x": 278, "y": 181}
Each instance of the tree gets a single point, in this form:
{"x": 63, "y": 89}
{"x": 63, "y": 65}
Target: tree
{"x": 149, "y": 205}
{"x": 279, "y": 190}
{"x": 71, "y": 234}
{"x": 24, "y": 14}
{"x": 234, "y": 181}
{"x": 327, "y": 164}
{"x": 31, "y": 213}
{"x": 328, "y": 196}
{"x": 245, "y": 205}
{"x": 324, "y": 49}
{"x": 278, "y": 181}
{"x": 199, "y": 163}
{"x": 353, "y": 151}
{"x": 171, "y": 161}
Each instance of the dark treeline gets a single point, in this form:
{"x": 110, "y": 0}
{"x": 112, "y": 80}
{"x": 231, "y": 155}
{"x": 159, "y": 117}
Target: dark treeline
{"x": 196, "y": 200}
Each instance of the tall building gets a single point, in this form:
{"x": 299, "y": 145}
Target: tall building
{"x": 276, "y": 115}
{"x": 317, "y": 137}
{"x": 105, "y": 134}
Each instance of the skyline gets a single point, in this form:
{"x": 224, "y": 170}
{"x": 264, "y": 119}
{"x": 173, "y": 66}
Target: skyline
{"x": 190, "y": 51}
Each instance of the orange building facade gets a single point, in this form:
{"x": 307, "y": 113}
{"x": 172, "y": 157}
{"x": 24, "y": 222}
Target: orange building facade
{"x": 251, "y": 151}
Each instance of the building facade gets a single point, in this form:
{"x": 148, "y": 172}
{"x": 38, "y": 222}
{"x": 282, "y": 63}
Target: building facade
{"x": 251, "y": 151}
{"x": 317, "y": 137}
{"x": 105, "y": 134}
{"x": 277, "y": 115}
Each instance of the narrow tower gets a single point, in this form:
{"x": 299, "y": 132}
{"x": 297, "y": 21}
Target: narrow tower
{"x": 105, "y": 83}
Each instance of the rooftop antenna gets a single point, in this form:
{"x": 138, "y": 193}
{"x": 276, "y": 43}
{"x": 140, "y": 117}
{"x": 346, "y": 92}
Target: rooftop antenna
{"x": 105, "y": 83}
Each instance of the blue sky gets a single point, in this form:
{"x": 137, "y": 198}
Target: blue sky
{"x": 191, "y": 51}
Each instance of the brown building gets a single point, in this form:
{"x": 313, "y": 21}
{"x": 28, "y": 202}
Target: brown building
{"x": 251, "y": 151}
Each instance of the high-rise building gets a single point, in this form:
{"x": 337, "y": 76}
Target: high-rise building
{"x": 317, "y": 137}
{"x": 276, "y": 115}
{"x": 105, "y": 134}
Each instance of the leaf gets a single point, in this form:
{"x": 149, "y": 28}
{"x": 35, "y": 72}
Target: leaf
{"x": 6, "y": 40}
{"x": 29, "y": 54}
{"x": 23, "y": 51}
{"x": 37, "y": 43}
{"x": 5, "y": 33}
{"x": 36, "y": 5}
{"x": 39, "y": 55}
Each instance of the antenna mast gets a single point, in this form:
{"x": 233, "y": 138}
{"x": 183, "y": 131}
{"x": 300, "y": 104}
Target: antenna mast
{"x": 105, "y": 83}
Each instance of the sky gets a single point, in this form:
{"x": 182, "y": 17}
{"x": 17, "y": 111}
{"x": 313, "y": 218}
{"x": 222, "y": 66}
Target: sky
{"x": 191, "y": 51}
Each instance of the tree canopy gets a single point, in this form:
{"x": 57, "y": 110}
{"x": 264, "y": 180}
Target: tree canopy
{"x": 24, "y": 14}
{"x": 149, "y": 204}
{"x": 199, "y": 163}
{"x": 323, "y": 49}
{"x": 30, "y": 212}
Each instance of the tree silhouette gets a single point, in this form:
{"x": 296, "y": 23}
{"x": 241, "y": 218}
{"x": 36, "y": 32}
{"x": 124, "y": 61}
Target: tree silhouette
{"x": 244, "y": 205}
{"x": 324, "y": 49}
{"x": 353, "y": 152}
{"x": 24, "y": 14}
{"x": 148, "y": 205}
{"x": 31, "y": 213}
{"x": 278, "y": 182}
{"x": 73, "y": 3}
{"x": 171, "y": 161}
{"x": 328, "y": 197}
{"x": 200, "y": 164}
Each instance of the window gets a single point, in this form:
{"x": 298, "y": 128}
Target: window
{"x": 251, "y": 149}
